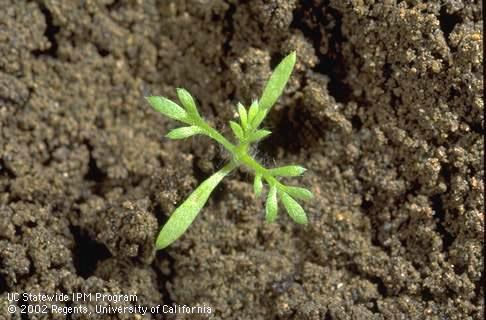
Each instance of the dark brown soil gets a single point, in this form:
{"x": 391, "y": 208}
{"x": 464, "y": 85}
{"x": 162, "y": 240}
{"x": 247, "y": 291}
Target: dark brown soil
{"x": 385, "y": 109}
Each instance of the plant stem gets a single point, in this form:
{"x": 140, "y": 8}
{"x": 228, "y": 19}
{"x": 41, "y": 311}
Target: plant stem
{"x": 259, "y": 169}
{"x": 240, "y": 153}
{"x": 212, "y": 133}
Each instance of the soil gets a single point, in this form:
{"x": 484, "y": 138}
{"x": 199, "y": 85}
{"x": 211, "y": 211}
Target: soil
{"x": 385, "y": 109}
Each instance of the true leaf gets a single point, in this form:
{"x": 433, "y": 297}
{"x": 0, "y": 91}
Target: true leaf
{"x": 277, "y": 82}
{"x": 257, "y": 185}
{"x": 167, "y": 107}
{"x": 258, "y": 135}
{"x": 271, "y": 205}
{"x": 287, "y": 171}
{"x": 252, "y": 111}
{"x": 243, "y": 116}
{"x": 185, "y": 214}
{"x": 184, "y": 132}
{"x": 187, "y": 101}
{"x": 237, "y": 130}
{"x": 299, "y": 193}
{"x": 294, "y": 209}
{"x": 257, "y": 120}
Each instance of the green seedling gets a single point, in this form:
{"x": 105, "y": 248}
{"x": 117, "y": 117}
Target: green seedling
{"x": 246, "y": 132}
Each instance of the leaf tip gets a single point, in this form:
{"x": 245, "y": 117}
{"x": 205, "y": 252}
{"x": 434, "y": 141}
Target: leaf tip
{"x": 295, "y": 211}
{"x": 151, "y": 99}
{"x": 293, "y": 55}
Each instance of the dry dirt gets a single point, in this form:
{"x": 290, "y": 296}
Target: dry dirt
{"x": 385, "y": 109}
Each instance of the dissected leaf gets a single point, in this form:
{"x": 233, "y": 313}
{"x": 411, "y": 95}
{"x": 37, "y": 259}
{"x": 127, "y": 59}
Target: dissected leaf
{"x": 243, "y": 116}
{"x": 185, "y": 214}
{"x": 187, "y": 101}
{"x": 184, "y": 132}
{"x": 257, "y": 185}
{"x": 271, "y": 205}
{"x": 288, "y": 171}
{"x": 258, "y": 135}
{"x": 299, "y": 193}
{"x": 294, "y": 209}
{"x": 237, "y": 130}
{"x": 246, "y": 132}
{"x": 167, "y": 107}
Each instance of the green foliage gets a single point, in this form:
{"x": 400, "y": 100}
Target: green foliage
{"x": 187, "y": 101}
{"x": 168, "y": 108}
{"x": 184, "y": 132}
{"x": 185, "y": 214}
{"x": 294, "y": 209}
{"x": 288, "y": 171}
{"x": 245, "y": 132}
{"x": 271, "y": 205}
{"x": 299, "y": 193}
{"x": 258, "y": 185}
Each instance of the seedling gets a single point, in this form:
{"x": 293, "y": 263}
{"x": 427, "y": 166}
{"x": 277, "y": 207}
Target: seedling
{"x": 246, "y": 132}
